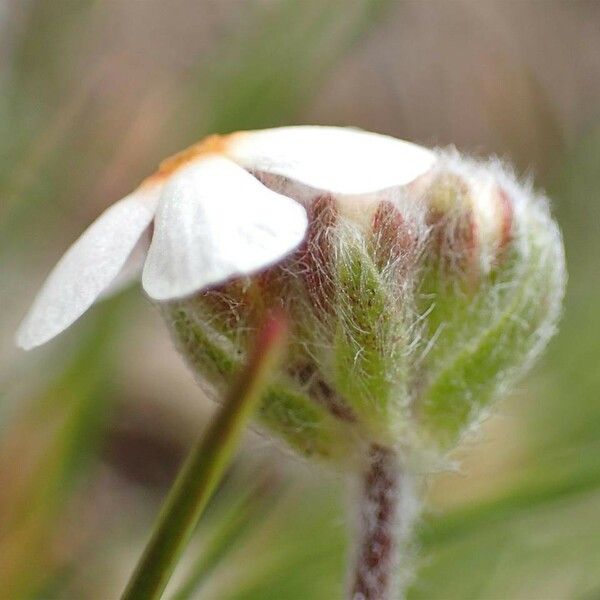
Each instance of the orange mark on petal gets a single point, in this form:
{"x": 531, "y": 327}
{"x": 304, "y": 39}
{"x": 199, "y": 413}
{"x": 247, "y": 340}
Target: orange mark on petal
{"x": 211, "y": 145}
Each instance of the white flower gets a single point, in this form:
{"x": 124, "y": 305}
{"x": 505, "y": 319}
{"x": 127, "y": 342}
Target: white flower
{"x": 203, "y": 217}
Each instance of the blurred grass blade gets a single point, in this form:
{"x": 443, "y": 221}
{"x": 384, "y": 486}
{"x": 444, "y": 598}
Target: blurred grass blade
{"x": 74, "y": 408}
{"x": 301, "y": 554}
{"x": 204, "y": 469}
{"x": 278, "y": 64}
{"x": 38, "y": 107}
{"x": 230, "y": 528}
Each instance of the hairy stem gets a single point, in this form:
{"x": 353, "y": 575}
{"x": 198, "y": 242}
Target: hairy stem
{"x": 387, "y": 511}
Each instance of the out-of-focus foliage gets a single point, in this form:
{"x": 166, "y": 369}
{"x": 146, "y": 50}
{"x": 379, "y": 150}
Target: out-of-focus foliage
{"x": 93, "y": 427}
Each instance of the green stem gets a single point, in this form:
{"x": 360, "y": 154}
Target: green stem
{"x": 203, "y": 470}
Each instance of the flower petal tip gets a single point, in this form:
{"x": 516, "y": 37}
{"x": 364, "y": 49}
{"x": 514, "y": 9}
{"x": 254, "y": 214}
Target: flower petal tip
{"x": 87, "y": 269}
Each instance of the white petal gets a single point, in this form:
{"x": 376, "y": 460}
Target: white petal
{"x": 132, "y": 269}
{"x": 88, "y": 267}
{"x": 216, "y": 221}
{"x": 337, "y": 159}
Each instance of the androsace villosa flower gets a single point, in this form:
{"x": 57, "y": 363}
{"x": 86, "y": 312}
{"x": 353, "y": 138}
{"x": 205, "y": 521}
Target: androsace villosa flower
{"x": 418, "y": 284}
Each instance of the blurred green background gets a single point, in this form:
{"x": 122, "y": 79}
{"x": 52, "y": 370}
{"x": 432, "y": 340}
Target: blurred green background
{"x": 93, "y": 427}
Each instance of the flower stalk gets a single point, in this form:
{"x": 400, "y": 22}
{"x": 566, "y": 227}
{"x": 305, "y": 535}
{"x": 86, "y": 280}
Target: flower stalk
{"x": 204, "y": 469}
{"x": 387, "y": 509}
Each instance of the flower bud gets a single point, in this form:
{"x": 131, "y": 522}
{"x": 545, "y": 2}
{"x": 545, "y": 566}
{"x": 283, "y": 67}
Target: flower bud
{"x": 418, "y": 284}
{"x": 411, "y": 309}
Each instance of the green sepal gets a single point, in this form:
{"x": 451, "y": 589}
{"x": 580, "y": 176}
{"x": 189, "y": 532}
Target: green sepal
{"x": 284, "y": 408}
{"x": 491, "y": 337}
{"x": 369, "y": 345}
